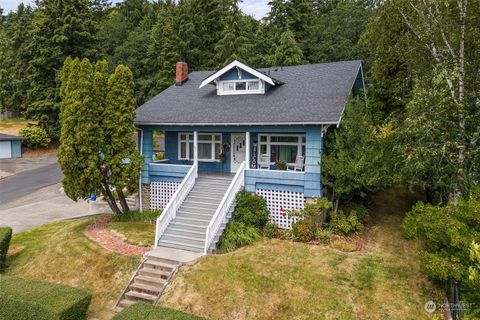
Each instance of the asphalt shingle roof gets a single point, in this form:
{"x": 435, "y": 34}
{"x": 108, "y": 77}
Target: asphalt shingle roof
{"x": 314, "y": 93}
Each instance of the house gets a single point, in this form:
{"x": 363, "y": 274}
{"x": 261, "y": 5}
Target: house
{"x": 10, "y": 146}
{"x": 234, "y": 128}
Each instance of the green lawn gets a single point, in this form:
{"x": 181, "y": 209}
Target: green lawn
{"x": 277, "y": 279}
{"x": 136, "y": 233}
{"x": 60, "y": 252}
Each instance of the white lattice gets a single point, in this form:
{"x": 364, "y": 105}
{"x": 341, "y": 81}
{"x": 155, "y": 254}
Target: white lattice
{"x": 161, "y": 192}
{"x": 280, "y": 203}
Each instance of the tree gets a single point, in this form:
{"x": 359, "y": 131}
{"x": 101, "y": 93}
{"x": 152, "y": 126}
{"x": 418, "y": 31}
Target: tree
{"x": 449, "y": 31}
{"x": 287, "y": 53}
{"x": 121, "y": 156}
{"x": 357, "y": 159}
{"x": 97, "y": 153}
{"x": 60, "y": 29}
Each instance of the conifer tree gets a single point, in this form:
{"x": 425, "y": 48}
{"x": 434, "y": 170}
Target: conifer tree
{"x": 287, "y": 53}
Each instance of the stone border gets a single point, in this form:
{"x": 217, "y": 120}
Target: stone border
{"x": 97, "y": 232}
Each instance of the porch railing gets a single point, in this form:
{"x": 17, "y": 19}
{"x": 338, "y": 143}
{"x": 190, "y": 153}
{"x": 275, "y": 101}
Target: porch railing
{"x": 222, "y": 209}
{"x": 170, "y": 211}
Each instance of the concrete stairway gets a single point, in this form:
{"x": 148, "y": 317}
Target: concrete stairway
{"x": 187, "y": 230}
{"x": 148, "y": 282}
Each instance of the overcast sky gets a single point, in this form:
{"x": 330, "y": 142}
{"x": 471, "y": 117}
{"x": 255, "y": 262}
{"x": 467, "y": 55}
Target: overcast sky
{"x": 257, "y": 8}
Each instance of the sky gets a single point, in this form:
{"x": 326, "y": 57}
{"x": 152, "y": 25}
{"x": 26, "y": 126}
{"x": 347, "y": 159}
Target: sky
{"x": 257, "y": 8}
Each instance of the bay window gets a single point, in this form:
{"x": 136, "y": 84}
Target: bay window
{"x": 209, "y": 146}
{"x": 281, "y": 147}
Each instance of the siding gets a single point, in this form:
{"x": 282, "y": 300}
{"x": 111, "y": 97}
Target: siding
{"x": 16, "y": 149}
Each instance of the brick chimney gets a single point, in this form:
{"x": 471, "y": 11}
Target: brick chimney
{"x": 181, "y": 73}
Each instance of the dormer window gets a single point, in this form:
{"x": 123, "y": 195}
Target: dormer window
{"x": 240, "y": 87}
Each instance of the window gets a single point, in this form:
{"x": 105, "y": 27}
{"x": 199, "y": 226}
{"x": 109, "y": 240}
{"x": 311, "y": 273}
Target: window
{"x": 240, "y": 87}
{"x": 209, "y": 146}
{"x": 281, "y": 147}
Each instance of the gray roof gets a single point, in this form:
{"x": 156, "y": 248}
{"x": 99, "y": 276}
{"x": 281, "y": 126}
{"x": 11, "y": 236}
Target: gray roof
{"x": 9, "y": 137}
{"x": 311, "y": 94}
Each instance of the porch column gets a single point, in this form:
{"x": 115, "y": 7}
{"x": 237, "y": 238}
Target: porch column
{"x": 247, "y": 150}
{"x": 195, "y": 147}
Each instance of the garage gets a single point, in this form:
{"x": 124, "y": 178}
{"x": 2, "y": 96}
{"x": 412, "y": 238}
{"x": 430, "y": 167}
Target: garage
{"x": 10, "y": 146}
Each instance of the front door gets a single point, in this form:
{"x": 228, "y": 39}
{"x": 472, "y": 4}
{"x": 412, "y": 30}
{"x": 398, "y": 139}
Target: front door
{"x": 238, "y": 151}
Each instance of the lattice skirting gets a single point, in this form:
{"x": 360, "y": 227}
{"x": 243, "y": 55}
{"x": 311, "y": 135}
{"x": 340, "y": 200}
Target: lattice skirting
{"x": 161, "y": 192}
{"x": 279, "y": 203}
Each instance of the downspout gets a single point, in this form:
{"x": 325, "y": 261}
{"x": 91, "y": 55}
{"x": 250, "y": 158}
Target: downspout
{"x": 364, "y": 87}
{"x": 140, "y": 196}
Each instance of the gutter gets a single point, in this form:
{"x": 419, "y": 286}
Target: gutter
{"x": 235, "y": 124}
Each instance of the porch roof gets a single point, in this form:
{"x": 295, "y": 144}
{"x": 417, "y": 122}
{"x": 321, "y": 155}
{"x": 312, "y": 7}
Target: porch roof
{"x": 310, "y": 94}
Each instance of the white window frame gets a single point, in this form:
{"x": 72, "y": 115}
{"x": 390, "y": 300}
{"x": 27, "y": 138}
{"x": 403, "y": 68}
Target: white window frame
{"x": 221, "y": 92}
{"x": 300, "y": 144}
{"x": 187, "y": 141}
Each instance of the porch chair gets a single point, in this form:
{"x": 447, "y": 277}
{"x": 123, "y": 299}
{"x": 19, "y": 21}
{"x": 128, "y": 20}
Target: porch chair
{"x": 298, "y": 165}
{"x": 264, "y": 162}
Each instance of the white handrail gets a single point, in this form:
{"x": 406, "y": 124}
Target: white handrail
{"x": 170, "y": 211}
{"x": 224, "y": 206}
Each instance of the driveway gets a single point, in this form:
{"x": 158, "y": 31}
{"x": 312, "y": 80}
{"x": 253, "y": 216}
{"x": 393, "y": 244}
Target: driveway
{"x": 27, "y": 181}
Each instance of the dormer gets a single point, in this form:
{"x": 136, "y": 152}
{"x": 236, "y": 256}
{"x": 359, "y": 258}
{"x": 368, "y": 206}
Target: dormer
{"x": 238, "y": 78}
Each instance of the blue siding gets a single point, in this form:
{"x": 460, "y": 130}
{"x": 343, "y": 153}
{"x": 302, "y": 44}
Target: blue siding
{"x": 233, "y": 75}
{"x": 166, "y": 172}
{"x": 276, "y": 180}
{"x": 147, "y": 151}
{"x": 16, "y": 149}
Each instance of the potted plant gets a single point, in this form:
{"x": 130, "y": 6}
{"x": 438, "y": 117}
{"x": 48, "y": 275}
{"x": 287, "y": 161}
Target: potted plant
{"x": 281, "y": 165}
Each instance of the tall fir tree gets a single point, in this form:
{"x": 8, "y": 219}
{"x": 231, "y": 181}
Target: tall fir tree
{"x": 287, "y": 53}
{"x": 61, "y": 28}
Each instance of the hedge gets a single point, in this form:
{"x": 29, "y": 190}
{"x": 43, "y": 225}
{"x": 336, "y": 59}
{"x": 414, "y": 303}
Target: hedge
{"x": 5, "y": 236}
{"x": 22, "y": 299}
{"x": 149, "y": 312}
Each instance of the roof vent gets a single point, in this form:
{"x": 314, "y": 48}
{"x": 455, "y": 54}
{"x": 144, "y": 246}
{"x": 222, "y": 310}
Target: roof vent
{"x": 181, "y": 73}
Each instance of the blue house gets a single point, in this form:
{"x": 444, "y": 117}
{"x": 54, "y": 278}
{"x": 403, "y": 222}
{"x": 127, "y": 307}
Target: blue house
{"x": 236, "y": 128}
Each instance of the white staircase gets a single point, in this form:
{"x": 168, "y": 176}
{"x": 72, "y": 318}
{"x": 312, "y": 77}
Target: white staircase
{"x": 187, "y": 231}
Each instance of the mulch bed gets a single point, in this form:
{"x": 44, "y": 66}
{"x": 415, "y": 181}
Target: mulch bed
{"x": 98, "y": 233}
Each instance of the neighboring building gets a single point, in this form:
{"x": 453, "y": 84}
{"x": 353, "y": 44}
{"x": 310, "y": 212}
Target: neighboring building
{"x": 10, "y": 146}
{"x": 244, "y": 122}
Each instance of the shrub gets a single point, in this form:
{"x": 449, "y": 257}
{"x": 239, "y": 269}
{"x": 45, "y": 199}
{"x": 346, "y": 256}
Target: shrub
{"x": 343, "y": 224}
{"x": 236, "y": 235}
{"x": 315, "y": 211}
{"x": 304, "y": 230}
{"x": 325, "y": 236}
{"x": 35, "y": 137}
{"x": 271, "y": 230}
{"x": 136, "y": 215}
{"x": 148, "y": 312}
{"x": 22, "y": 299}
{"x": 360, "y": 210}
{"x": 251, "y": 209}
{"x": 5, "y": 237}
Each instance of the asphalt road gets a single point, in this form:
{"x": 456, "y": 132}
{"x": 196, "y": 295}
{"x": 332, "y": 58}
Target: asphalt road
{"x": 26, "y": 182}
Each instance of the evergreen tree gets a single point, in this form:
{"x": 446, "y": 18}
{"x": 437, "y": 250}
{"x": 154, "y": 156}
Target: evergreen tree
{"x": 234, "y": 44}
{"x": 287, "y": 53}
{"x": 61, "y": 28}
{"x": 121, "y": 156}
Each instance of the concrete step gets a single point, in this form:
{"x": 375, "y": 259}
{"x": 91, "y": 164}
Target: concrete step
{"x": 150, "y": 281}
{"x": 160, "y": 265}
{"x": 135, "y": 295}
{"x": 124, "y": 303}
{"x": 188, "y": 240}
{"x": 181, "y": 245}
{"x": 140, "y": 287}
{"x": 154, "y": 273}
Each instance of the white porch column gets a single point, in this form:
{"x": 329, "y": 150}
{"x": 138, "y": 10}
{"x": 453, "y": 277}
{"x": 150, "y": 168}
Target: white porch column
{"x": 247, "y": 150}
{"x": 195, "y": 147}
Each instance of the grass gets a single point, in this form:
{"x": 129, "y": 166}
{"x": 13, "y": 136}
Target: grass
{"x": 275, "y": 279}
{"x": 13, "y": 126}
{"x": 60, "y": 253}
{"x": 136, "y": 233}
{"x": 148, "y": 312}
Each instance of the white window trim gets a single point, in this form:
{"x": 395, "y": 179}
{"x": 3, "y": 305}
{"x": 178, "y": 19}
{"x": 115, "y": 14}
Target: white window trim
{"x": 188, "y": 141}
{"x": 221, "y": 92}
{"x": 300, "y": 144}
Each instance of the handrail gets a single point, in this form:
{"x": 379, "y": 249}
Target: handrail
{"x": 224, "y": 206}
{"x": 170, "y": 211}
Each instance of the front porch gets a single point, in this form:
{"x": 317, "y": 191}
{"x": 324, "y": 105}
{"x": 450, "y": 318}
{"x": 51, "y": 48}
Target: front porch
{"x": 222, "y": 150}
